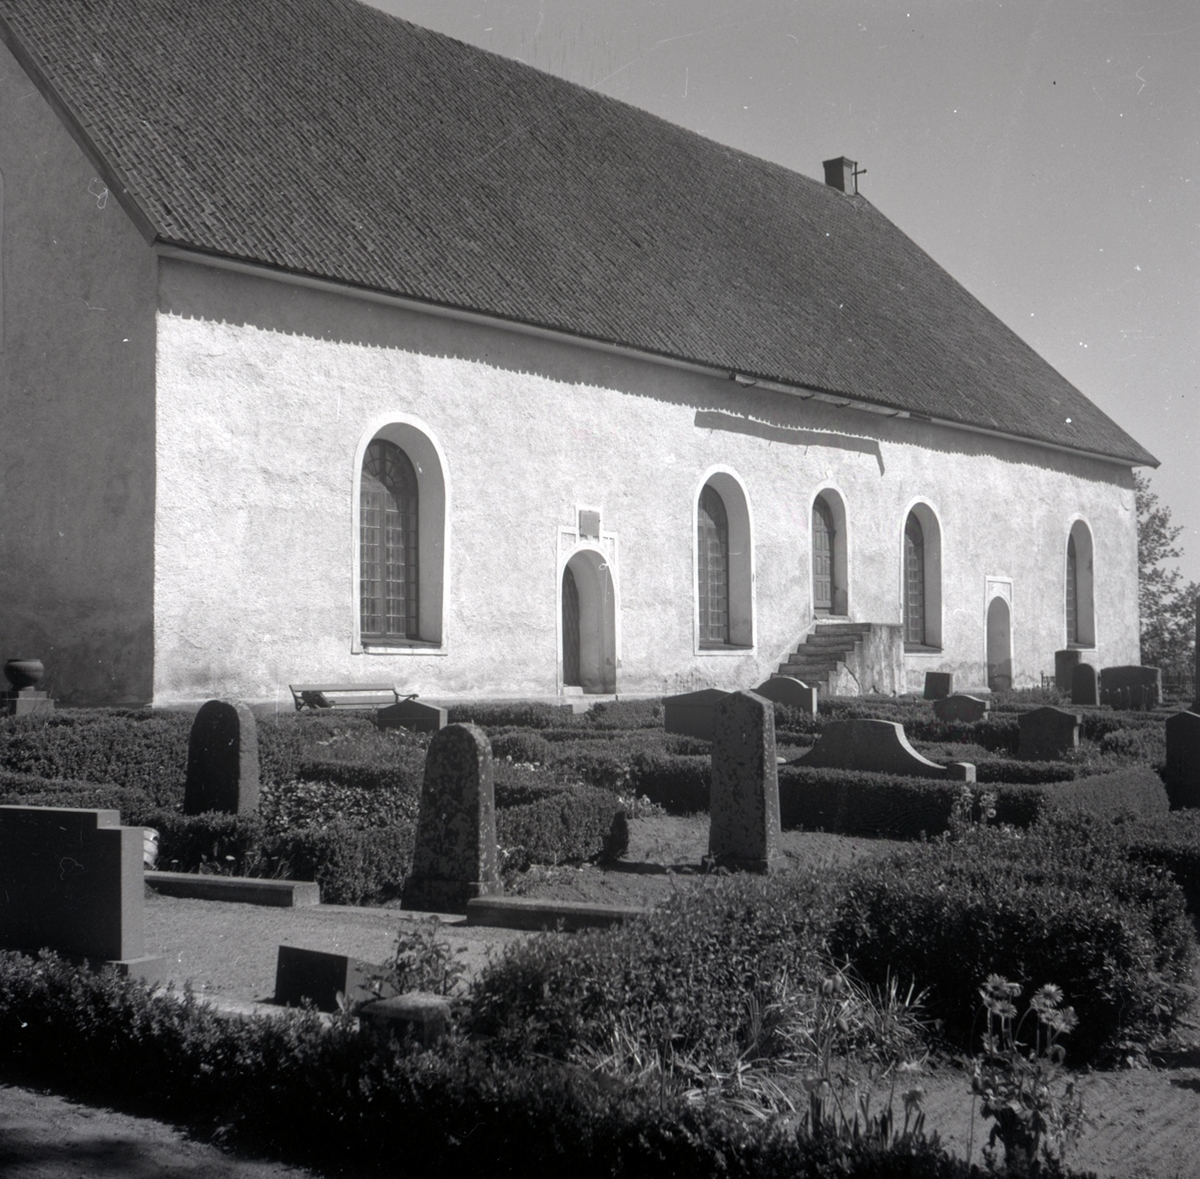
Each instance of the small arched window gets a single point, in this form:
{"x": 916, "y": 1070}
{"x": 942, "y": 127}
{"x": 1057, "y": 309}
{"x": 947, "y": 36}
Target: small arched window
{"x": 914, "y": 581}
{"x": 712, "y": 547}
{"x": 388, "y": 545}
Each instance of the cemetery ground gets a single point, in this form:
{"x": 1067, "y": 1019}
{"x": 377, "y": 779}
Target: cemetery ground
{"x": 1140, "y": 1119}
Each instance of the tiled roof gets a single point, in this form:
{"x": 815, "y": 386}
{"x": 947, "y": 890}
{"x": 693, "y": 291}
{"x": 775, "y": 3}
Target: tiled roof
{"x": 328, "y": 139}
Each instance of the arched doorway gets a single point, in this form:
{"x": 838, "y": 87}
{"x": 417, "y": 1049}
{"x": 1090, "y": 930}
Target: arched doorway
{"x": 589, "y": 631}
{"x": 999, "y": 645}
{"x": 824, "y": 557}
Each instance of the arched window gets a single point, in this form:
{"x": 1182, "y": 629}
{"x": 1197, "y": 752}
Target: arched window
{"x": 914, "y": 581}
{"x": 1080, "y": 610}
{"x": 712, "y": 548}
{"x": 570, "y": 629}
{"x": 388, "y": 545}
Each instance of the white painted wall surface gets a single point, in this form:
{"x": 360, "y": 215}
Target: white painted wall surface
{"x": 265, "y": 391}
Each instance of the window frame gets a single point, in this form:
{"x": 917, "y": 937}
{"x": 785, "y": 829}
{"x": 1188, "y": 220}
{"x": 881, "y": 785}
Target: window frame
{"x": 743, "y": 636}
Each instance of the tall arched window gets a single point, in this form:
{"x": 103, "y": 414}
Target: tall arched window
{"x": 389, "y": 574}
{"x": 712, "y": 547}
{"x": 914, "y": 581}
{"x": 1072, "y": 593}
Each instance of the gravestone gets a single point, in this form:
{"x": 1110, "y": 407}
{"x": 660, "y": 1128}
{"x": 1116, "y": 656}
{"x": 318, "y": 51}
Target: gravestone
{"x": 692, "y": 713}
{"x": 744, "y": 809}
{"x": 785, "y": 689}
{"x": 1183, "y": 760}
{"x": 71, "y": 880}
{"x": 961, "y": 708}
{"x": 1131, "y": 687}
{"x": 222, "y": 765}
{"x": 880, "y": 746}
{"x": 455, "y": 854}
{"x": 1047, "y": 734}
{"x": 318, "y": 977}
{"x": 412, "y": 714}
{"x": 1065, "y": 663}
{"x": 939, "y": 685}
{"x": 1085, "y": 685}
{"x": 418, "y": 1015}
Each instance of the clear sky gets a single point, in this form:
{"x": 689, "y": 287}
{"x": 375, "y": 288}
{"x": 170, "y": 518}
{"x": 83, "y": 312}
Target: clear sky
{"x": 1045, "y": 152}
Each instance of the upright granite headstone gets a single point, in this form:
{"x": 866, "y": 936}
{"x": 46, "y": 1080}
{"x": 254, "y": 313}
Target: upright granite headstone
{"x": 1183, "y": 760}
{"x": 1065, "y": 663}
{"x": 744, "y": 808}
{"x": 939, "y": 685}
{"x": 961, "y": 708}
{"x": 692, "y": 713}
{"x": 1131, "y": 687}
{"x": 880, "y": 746}
{"x": 71, "y": 880}
{"x": 455, "y": 855}
{"x": 1047, "y": 734}
{"x": 222, "y": 766}
{"x": 785, "y": 689}
{"x": 1085, "y": 685}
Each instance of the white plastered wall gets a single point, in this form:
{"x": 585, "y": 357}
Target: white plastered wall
{"x": 266, "y": 393}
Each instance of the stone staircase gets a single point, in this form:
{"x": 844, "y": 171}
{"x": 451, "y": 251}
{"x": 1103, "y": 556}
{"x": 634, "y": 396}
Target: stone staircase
{"x": 849, "y": 659}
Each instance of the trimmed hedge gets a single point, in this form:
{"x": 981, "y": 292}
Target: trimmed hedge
{"x": 572, "y": 824}
{"x": 1170, "y": 841}
{"x": 679, "y": 783}
{"x": 368, "y": 1101}
{"x": 1059, "y": 903}
{"x": 858, "y": 802}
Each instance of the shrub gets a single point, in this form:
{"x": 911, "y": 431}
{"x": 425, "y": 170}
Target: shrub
{"x": 679, "y": 783}
{"x": 624, "y": 714}
{"x": 133, "y": 803}
{"x": 521, "y": 746}
{"x": 366, "y": 1098}
{"x": 572, "y": 824}
{"x": 518, "y": 714}
{"x": 686, "y": 977}
{"x": 1170, "y": 841}
{"x": 1059, "y": 902}
{"x": 133, "y": 748}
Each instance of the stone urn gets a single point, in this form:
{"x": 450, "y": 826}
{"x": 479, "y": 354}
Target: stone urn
{"x": 23, "y": 673}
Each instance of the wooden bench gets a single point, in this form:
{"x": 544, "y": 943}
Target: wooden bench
{"x": 343, "y": 696}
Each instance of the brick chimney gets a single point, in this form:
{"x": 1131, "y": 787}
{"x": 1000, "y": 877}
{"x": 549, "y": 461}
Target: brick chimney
{"x": 839, "y": 174}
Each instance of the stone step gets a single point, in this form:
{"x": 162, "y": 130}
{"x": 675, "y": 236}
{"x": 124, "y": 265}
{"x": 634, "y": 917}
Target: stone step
{"x": 842, "y": 628}
{"x": 828, "y": 643}
{"x": 283, "y": 894}
{"x": 828, "y": 663}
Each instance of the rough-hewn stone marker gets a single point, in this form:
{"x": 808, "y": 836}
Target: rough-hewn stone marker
{"x": 424, "y": 1017}
{"x": 1183, "y": 760}
{"x": 455, "y": 855}
{"x": 939, "y": 685}
{"x": 880, "y": 746}
{"x": 744, "y": 809}
{"x": 961, "y": 708}
{"x": 1085, "y": 685}
{"x": 692, "y": 713}
{"x": 71, "y": 880}
{"x": 786, "y": 689}
{"x": 222, "y": 766}
{"x": 412, "y": 714}
{"x": 1131, "y": 687}
{"x": 1047, "y": 734}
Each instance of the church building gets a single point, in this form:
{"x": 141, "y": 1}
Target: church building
{"x": 335, "y": 350}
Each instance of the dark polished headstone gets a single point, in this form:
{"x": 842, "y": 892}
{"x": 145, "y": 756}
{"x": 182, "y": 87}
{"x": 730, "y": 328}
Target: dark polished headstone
{"x": 939, "y": 685}
{"x": 1131, "y": 687}
{"x": 693, "y": 714}
{"x": 785, "y": 689}
{"x": 222, "y": 766}
{"x": 1183, "y": 760}
{"x": 412, "y": 714}
{"x": 1047, "y": 734}
{"x": 1085, "y": 685}
{"x": 960, "y": 707}
{"x": 71, "y": 880}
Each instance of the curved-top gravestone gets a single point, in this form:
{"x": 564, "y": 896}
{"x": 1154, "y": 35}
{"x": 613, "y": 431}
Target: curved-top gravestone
{"x": 880, "y": 746}
{"x": 222, "y": 767}
{"x": 455, "y": 854}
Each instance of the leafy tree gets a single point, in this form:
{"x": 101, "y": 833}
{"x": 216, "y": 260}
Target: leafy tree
{"x": 1166, "y": 607}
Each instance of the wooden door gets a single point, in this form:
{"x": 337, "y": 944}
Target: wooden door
{"x": 824, "y": 537}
